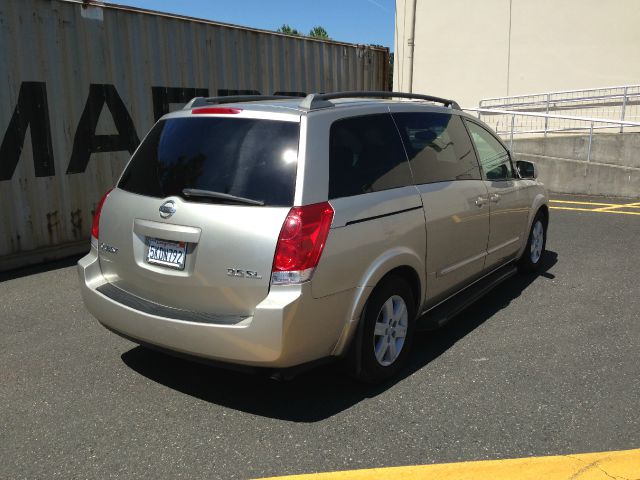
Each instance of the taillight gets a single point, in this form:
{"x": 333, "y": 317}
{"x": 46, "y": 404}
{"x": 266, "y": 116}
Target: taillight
{"x": 300, "y": 243}
{"x": 215, "y": 110}
{"x": 95, "y": 227}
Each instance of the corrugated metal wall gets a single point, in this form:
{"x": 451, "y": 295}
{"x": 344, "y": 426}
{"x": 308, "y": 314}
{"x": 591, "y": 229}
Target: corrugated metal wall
{"x": 81, "y": 86}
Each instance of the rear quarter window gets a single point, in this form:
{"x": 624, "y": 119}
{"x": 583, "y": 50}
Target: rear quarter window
{"x": 438, "y": 146}
{"x": 366, "y": 155}
{"x": 245, "y": 157}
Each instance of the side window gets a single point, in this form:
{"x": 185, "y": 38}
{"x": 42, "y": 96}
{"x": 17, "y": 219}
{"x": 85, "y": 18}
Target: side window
{"x": 438, "y": 146}
{"x": 494, "y": 158}
{"x": 366, "y": 155}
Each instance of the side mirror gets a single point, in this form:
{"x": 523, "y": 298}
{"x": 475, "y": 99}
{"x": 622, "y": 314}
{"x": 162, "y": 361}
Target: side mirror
{"x": 526, "y": 169}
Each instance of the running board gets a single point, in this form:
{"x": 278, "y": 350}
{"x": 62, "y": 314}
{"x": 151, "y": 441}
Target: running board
{"x": 441, "y": 314}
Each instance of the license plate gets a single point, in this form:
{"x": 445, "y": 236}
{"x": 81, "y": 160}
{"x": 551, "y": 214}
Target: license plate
{"x": 168, "y": 254}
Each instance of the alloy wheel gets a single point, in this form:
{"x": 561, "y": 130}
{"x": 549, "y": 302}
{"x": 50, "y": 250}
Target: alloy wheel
{"x": 390, "y": 330}
{"x": 537, "y": 241}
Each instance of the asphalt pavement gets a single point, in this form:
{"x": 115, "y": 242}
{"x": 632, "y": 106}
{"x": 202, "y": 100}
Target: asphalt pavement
{"x": 545, "y": 364}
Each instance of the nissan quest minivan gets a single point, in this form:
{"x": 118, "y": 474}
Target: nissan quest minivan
{"x": 279, "y": 232}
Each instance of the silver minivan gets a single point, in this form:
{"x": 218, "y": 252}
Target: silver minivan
{"x": 280, "y": 232}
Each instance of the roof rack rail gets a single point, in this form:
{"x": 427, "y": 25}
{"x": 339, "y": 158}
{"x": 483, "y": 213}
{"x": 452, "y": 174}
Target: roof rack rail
{"x": 203, "y": 101}
{"x": 314, "y": 101}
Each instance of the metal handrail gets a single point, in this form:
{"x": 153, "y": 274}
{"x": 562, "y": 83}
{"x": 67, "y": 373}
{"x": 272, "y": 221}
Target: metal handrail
{"x": 606, "y": 102}
{"x": 548, "y": 115}
{"x": 559, "y": 92}
{"x": 613, "y": 99}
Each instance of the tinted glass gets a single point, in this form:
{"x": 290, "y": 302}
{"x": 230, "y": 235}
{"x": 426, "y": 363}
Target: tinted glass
{"x": 494, "y": 158}
{"x": 366, "y": 155}
{"x": 438, "y": 146}
{"x": 250, "y": 158}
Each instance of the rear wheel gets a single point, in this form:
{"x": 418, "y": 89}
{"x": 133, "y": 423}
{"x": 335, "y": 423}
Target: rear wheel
{"x": 534, "y": 251}
{"x": 385, "y": 334}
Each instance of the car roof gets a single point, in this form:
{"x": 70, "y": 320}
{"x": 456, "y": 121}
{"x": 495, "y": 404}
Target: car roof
{"x": 298, "y": 106}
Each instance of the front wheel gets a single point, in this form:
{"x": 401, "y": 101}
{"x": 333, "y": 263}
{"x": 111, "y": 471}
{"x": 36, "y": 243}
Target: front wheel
{"x": 534, "y": 251}
{"x": 385, "y": 334}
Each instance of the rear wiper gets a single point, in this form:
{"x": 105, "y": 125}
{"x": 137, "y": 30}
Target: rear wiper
{"x": 194, "y": 192}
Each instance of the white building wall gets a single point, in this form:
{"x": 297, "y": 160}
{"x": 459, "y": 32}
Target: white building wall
{"x": 474, "y": 49}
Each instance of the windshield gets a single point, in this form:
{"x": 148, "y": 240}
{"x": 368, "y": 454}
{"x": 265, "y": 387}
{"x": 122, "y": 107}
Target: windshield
{"x": 244, "y": 157}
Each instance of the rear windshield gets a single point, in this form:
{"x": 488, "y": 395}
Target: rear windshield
{"x": 245, "y": 157}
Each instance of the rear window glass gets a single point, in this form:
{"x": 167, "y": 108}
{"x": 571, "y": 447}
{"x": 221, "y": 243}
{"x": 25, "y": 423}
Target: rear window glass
{"x": 250, "y": 158}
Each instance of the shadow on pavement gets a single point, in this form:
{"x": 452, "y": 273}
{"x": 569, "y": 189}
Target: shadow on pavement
{"x": 40, "y": 268}
{"x": 323, "y": 392}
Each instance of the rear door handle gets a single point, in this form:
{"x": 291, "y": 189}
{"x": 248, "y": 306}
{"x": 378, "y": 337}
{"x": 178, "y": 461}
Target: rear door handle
{"x": 495, "y": 198}
{"x": 480, "y": 201}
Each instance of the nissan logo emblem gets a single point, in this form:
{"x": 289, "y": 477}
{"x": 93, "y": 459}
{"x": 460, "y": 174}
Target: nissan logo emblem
{"x": 167, "y": 209}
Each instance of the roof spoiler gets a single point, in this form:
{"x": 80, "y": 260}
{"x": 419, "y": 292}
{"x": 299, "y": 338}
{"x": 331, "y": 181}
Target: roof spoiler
{"x": 204, "y": 101}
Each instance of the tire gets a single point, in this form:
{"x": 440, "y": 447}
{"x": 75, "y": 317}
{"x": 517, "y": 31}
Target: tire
{"x": 379, "y": 351}
{"x": 536, "y": 243}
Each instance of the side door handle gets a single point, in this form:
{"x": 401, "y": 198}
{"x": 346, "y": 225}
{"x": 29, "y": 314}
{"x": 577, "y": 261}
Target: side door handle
{"x": 480, "y": 201}
{"x": 495, "y": 198}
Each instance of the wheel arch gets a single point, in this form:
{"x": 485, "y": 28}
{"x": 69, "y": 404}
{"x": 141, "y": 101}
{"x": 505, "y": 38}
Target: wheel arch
{"x": 544, "y": 209}
{"x": 380, "y": 271}
{"x": 408, "y": 274}
{"x": 539, "y": 204}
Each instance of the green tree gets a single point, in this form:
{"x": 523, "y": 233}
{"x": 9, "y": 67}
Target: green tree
{"x": 319, "y": 32}
{"x": 289, "y": 30}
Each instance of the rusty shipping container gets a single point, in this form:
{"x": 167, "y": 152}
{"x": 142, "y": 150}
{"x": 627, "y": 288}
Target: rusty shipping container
{"x": 82, "y": 84}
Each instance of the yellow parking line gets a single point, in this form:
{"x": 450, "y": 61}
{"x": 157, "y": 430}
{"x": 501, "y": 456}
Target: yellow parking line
{"x": 574, "y": 208}
{"x": 613, "y": 207}
{"x": 584, "y": 203}
{"x": 603, "y": 207}
{"x": 597, "y": 210}
{"x": 608, "y": 209}
{"x": 599, "y": 206}
{"x": 585, "y": 466}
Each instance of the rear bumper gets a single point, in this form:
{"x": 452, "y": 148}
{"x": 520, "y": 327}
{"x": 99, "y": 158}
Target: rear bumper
{"x": 288, "y": 328}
